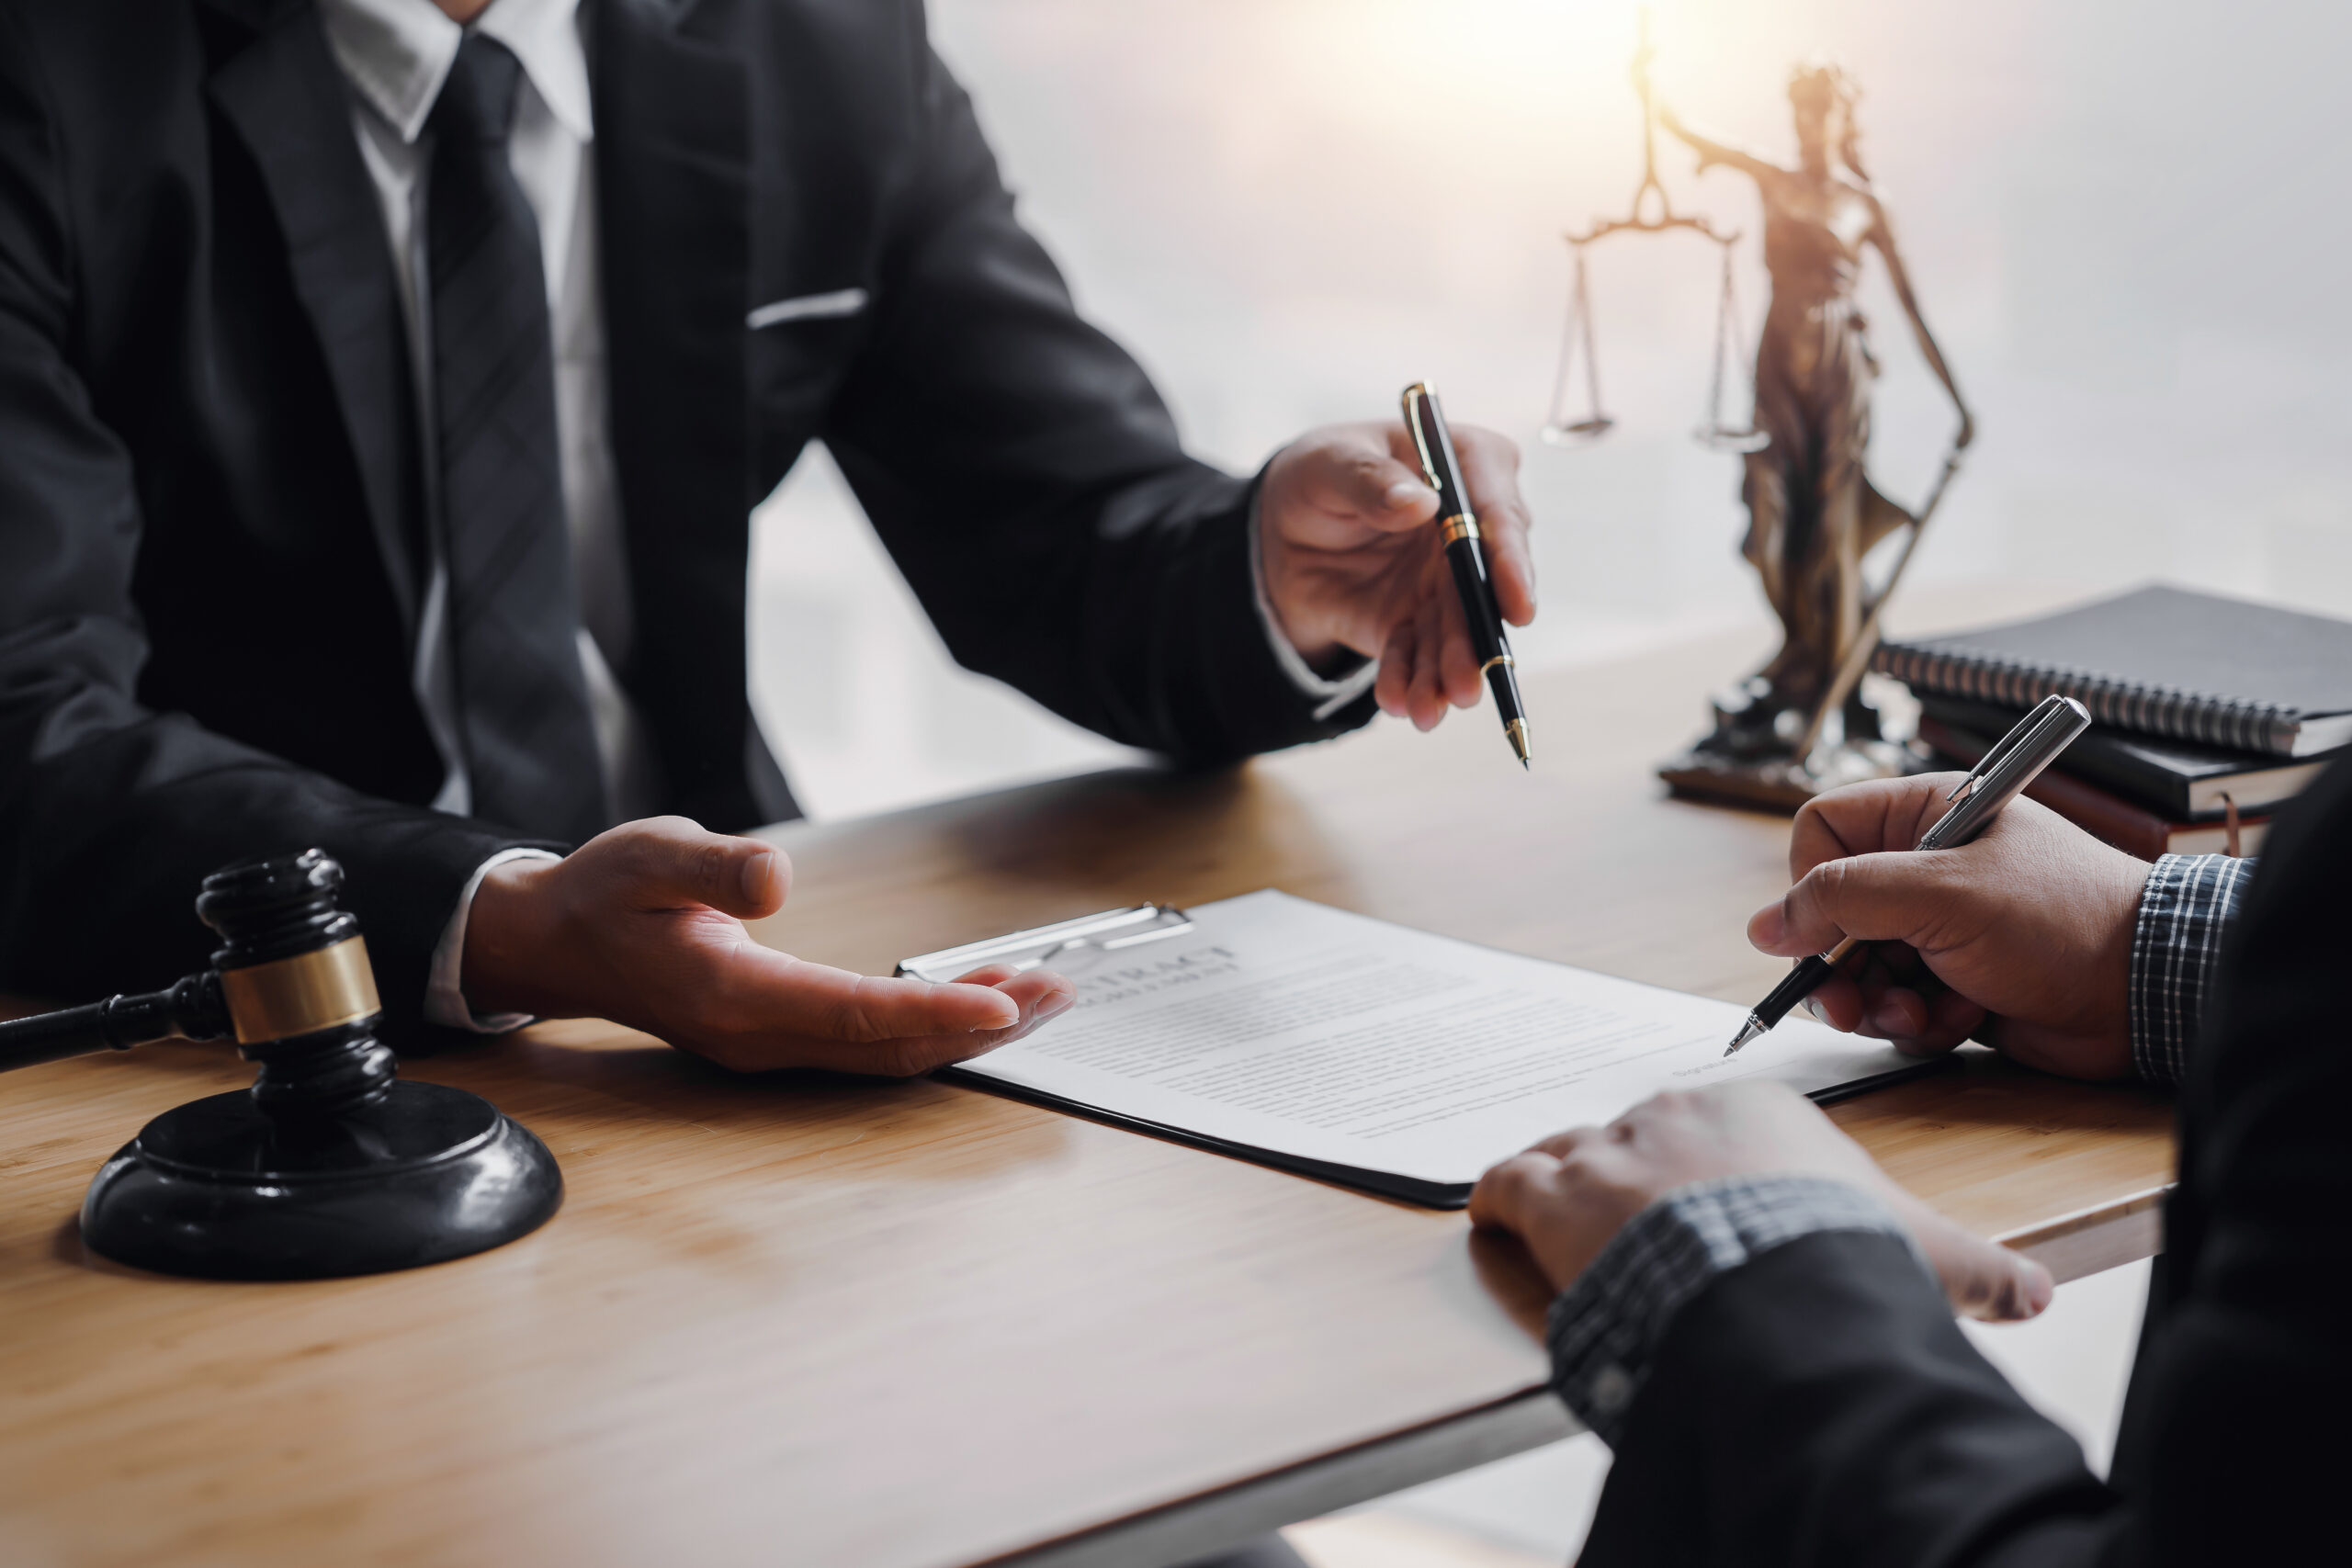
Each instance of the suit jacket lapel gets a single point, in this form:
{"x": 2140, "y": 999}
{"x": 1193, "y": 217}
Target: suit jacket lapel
{"x": 673, "y": 171}
{"x": 283, "y": 95}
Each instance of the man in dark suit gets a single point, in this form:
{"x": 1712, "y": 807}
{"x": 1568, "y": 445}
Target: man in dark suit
{"x": 384, "y": 386}
{"x": 1758, "y": 1322}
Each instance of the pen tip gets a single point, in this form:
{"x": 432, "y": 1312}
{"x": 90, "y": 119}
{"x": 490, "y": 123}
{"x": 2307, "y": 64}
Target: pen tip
{"x": 1748, "y": 1032}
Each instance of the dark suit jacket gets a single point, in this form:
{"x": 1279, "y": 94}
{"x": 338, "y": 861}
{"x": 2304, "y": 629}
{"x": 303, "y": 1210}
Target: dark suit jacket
{"x": 210, "y": 481}
{"x": 1818, "y": 1405}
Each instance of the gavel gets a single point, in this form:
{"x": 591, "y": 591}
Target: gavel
{"x": 330, "y": 1163}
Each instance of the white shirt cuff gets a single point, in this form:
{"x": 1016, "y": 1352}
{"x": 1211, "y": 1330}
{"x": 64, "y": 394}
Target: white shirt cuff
{"x": 1328, "y": 697}
{"x": 445, "y": 1001}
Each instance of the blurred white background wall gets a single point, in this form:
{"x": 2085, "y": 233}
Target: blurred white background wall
{"x": 2126, "y": 219}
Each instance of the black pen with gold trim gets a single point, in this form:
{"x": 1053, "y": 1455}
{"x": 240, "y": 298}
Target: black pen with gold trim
{"x": 1465, "y": 552}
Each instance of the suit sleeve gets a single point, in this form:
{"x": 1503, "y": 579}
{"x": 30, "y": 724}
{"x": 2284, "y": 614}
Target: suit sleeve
{"x": 111, "y": 814}
{"x": 1817, "y": 1405}
{"x": 1028, "y": 481}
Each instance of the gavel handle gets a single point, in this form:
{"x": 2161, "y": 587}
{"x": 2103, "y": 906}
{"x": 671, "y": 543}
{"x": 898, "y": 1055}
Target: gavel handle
{"x": 191, "y": 1009}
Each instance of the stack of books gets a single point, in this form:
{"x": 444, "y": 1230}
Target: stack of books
{"x": 2211, "y": 712}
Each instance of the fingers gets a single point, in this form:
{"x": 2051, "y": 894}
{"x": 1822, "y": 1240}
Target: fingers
{"x": 1915, "y": 1025}
{"x": 768, "y": 1011}
{"x": 1887, "y": 992}
{"x": 1424, "y": 697}
{"x": 1457, "y": 679}
{"x": 1416, "y": 684}
{"x": 1981, "y": 1278}
{"x": 1862, "y": 818}
{"x": 1452, "y": 678}
{"x": 1391, "y": 688}
{"x": 758, "y": 989}
{"x": 1428, "y": 664}
{"x": 1892, "y": 897}
{"x": 1508, "y": 1196}
{"x": 663, "y": 862}
{"x": 1565, "y": 1206}
{"x": 1445, "y": 671}
{"x": 1040, "y": 995}
{"x": 1560, "y": 1146}
{"x": 1490, "y": 471}
{"x": 1919, "y": 1022}
{"x": 1351, "y": 472}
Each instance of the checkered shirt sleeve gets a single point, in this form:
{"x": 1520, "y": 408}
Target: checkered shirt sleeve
{"x": 1605, "y": 1329}
{"x": 2176, "y": 948}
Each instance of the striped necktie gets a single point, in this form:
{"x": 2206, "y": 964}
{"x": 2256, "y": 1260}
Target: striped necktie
{"x": 522, "y": 714}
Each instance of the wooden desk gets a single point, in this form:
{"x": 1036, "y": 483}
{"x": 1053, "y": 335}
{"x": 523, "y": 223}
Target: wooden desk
{"x": 818, "y": 1323}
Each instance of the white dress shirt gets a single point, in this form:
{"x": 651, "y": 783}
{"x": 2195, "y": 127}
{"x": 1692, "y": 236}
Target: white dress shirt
{"x": 395, "y": 54}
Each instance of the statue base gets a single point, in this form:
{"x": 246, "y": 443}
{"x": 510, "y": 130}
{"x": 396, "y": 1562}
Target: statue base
{"x": 419, "y": 1174}
{"x": 1783, "y": 781}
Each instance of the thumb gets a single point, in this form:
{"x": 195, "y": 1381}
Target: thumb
{"x": 674, "y": 859}
{"x": 1889, "y": 896}
{"x": 1356, "y": 477}
{"x": 1981, "y": 1279}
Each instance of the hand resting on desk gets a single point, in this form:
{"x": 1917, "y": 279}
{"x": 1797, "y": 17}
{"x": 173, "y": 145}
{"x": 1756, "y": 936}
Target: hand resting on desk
{"x": 2030, "y": 924}
{"x": 644, "y": 925}
{"x": 1569, "y": 1194}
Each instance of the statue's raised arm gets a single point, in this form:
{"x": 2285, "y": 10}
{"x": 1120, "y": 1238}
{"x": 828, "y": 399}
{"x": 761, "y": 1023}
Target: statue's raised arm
{"x": 1712, "y": 151}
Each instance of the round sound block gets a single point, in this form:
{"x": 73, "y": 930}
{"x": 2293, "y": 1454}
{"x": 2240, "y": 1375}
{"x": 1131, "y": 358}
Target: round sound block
{"x": 219, "y": 1189}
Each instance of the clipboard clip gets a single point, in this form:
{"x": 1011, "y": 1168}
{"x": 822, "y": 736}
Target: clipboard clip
{"x": 1111, "y": 931}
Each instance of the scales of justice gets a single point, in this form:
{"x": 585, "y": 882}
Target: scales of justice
{"x": 1800, "y": 724}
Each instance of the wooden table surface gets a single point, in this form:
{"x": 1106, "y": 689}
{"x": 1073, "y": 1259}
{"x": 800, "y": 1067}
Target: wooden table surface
{"x": 797, "y": 1321}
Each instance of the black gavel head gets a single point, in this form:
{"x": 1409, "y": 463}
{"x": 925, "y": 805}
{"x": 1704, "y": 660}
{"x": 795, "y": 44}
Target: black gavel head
{"x": 329, "y": 1163}
{"x": 275, "y": 908}
{"x": 295, "y": 976}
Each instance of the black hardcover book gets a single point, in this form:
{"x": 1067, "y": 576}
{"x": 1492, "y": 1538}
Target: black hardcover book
{"x": 2179, "y": 779}
{"x": 2160, "y": 660}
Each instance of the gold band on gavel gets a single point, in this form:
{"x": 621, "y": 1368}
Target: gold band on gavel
{"x": 303, "y": 994}
{"x": 1461, "y": 526}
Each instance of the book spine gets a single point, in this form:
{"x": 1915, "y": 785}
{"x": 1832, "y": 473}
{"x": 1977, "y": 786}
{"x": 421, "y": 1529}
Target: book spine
{"x": 2153, "y": 710}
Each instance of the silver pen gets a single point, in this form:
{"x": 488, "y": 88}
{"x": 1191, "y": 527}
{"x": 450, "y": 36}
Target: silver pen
{"x": 2007, "y": 768}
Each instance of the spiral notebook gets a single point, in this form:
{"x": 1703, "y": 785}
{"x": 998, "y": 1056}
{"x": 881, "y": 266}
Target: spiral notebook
{"x": 2161, "y": 660}
{"x": 1301, "y": 1036}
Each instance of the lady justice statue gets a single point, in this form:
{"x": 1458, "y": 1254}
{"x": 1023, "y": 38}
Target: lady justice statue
{"x": 1813, "y": 513}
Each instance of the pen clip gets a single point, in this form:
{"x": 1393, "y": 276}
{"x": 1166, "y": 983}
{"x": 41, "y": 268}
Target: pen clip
{"x": 1976, "y": 774}
{"x": 2024, "y": 729}
{"x": 1416, "y": 395}
{"x": 2006, "y": 770}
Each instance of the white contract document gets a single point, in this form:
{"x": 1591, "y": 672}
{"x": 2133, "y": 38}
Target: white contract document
{"x": 1297, "y": 1034}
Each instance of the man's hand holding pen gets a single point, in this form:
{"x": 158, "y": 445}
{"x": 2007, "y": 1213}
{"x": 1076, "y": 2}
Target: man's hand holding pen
{"x": 2031, "y": 923}
{"x": 1352, "y": 564}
